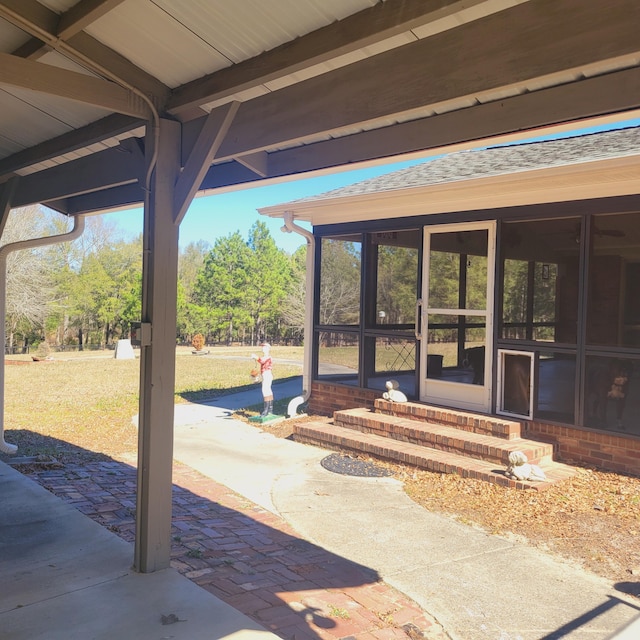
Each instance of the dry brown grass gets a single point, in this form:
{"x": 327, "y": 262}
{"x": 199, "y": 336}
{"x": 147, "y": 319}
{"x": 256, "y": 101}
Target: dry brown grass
{"x": 82, "y": 404}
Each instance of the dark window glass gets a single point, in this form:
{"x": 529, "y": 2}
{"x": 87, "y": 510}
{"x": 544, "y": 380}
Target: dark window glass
{"x": 456, "y": 348}
{"x": 338, "y": 356}
{"x": 556, "y": 387}
{"x": 612, "y": 400}
{"x": 396, "y": 277}
{"x": 340, "y": 264}
{"x": 613, "y": 298}
{"x": 392, "y": 359}
{"x": 458, "y": 270}
{"x": 540, "y": 279}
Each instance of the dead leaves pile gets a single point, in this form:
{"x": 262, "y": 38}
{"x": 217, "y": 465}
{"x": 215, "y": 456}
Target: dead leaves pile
{"x": 592, "y": 518}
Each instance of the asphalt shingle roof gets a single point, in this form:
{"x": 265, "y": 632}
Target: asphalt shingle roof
{"x": 494, "y": 161}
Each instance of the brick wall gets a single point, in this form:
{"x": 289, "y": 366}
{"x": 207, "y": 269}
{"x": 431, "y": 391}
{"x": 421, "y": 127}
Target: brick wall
{"x": 327, "y": 398}
{"x": 602, "y": 449}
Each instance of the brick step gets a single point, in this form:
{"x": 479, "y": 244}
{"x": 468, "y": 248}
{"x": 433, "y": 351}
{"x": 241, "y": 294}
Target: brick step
{"x": 336, "y": 438}
{"x": 464, "y": 420}
{"x": 443, "y": 437}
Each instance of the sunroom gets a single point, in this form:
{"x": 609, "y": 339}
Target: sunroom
{"x": 501, "y": 281}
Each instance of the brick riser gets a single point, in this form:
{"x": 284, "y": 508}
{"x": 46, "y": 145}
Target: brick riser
{"x": 443, "y": 437}
{"x": 464, "y": 420}
{"x": 336, "y": 438}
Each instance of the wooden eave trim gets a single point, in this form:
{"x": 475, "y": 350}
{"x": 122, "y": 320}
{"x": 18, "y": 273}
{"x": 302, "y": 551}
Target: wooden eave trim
{"x": 598, "y": 179}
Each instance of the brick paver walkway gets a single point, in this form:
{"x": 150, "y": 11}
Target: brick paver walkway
{"x": 249, "y": 557}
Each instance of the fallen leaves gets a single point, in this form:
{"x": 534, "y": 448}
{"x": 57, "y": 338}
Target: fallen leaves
{"x": 592, "y": 518}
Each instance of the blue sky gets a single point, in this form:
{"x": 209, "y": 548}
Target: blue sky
{"x": 215, "y": 216}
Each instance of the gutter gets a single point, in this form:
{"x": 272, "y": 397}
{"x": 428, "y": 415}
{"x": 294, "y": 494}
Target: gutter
{"x": 76, "y": 232}
{"x": 291, "y": 227}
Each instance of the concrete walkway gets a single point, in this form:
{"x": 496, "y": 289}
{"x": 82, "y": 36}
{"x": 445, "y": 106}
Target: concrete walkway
{"x": 65, "y": 577}
{"x": 266, "y": 531}
{"x": 477, "y": 586}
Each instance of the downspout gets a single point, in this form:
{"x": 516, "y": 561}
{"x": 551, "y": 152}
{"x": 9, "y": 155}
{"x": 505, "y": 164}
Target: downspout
{"x": 76, "y": 232}
{"x": 289, "y": 227}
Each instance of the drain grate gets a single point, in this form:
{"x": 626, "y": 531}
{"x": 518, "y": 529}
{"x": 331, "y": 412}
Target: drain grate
{"x": 348, "y": 466}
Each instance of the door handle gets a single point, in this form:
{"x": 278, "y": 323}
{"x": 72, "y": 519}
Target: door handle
{"x": 418, "y": 327}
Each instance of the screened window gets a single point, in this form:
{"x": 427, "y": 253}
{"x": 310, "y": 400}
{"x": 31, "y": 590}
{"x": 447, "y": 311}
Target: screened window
{"x": 613, "y": 302}
{"x": 338, "y": 356}
{"x": 340, "y": 262}
{"x": 540, "y": 279}
{"x": 396, "y": 277}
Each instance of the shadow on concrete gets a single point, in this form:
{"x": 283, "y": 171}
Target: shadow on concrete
{"x": 245, "y": 395}
{"x": 235, "y": 550}
{"x": 587, "y": 617}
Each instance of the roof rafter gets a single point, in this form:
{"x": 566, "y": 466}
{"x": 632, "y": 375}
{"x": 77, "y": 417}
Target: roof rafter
{"x": 110, "y": 168}
{"x": 368, "y": 27}
{"x": 83, "y": 14}
{"x": 68, "y": 24}
{"x": 64, "y": 33}
{"x": 93, "y": 133}
{"x": 27, "y": 74}
{"x": 497, "y": 53}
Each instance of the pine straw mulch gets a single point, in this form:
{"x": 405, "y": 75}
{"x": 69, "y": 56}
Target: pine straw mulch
{"x": 592, "y": 519}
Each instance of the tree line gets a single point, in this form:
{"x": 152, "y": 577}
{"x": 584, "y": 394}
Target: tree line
{"x": 86, "y": 293}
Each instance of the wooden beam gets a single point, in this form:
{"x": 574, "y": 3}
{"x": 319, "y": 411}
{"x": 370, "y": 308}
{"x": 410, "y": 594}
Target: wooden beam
{"x": 20, "y": 11}
{"x": 113, "y": 125}
{"x": 602, "y": 95}
{"x": 82, "y": 15}
{"x": 120, "y": 67}
{"x": 79, "y": 87}
{"x": 65, "y": 34}
{"x": 257, "y": 162}
{"x": 104, "y": 170}
{"x": 158, "y": 360}
{"x": 589, "y": 98}
{"x": 63, "y": 27}
{"x": 366, "y": 28}
{"x": 477, "y": 59}
{"x": 215, "y": 129}
{"x": 32, "y": 49}
{"x": 6, "y": 201}
{"x": 125, "y": 196}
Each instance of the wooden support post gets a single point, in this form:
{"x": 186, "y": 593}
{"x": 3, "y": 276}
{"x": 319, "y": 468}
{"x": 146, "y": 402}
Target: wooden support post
{"x": 157, "y": 359}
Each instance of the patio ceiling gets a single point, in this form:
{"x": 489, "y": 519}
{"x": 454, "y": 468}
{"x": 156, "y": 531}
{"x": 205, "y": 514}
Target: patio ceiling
{"x": 295, "y": 86}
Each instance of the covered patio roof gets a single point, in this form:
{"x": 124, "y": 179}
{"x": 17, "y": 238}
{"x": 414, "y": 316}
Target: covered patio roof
{"x": 290, "y": 88}
{"x": 108, "y": 104}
